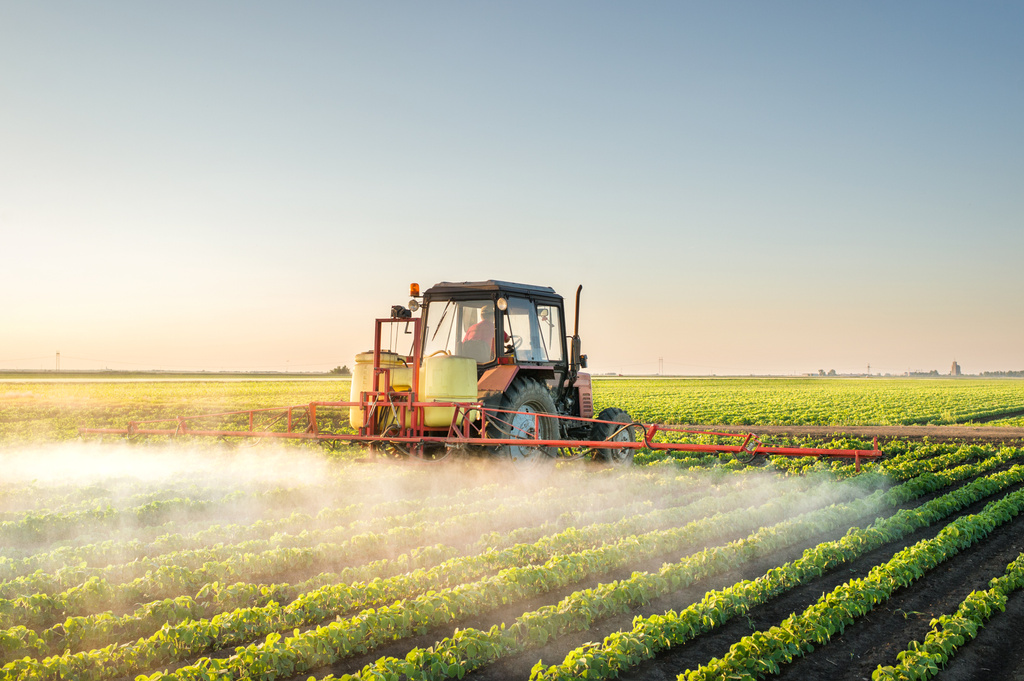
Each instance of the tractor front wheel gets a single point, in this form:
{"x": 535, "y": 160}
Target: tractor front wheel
{"x": 614, "y": 432}
{"x": 530, "y": 401}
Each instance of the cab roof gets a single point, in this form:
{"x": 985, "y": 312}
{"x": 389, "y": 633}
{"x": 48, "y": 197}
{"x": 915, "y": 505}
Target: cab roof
{"x": 490, "y": 286}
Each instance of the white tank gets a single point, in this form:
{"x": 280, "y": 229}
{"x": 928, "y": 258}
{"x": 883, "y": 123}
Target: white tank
{"x": 362, "y": 380}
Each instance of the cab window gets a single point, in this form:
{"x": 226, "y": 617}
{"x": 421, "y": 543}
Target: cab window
{"x": 534, "y": 331}
{"x": 551, "y": 335}
{"x": 460, "y": 327}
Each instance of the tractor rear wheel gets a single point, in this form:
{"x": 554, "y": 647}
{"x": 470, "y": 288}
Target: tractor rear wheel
{"x": 527, "y": 397}
{"x": 614, "y": 433}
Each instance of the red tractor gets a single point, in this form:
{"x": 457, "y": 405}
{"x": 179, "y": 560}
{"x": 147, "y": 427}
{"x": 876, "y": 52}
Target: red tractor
{"x": 501, "y": 345}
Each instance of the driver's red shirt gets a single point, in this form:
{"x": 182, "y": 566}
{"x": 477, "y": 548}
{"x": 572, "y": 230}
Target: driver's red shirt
{"x": 483, "y": 331}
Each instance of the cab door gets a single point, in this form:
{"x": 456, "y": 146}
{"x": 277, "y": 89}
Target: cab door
{"x": 534, "y": 333}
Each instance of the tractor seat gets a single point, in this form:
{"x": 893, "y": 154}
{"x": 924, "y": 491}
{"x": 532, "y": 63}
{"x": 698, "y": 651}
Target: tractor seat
{"x": 478, "y": 350}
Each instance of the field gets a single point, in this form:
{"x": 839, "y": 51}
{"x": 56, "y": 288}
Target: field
{"x": 54, "y": 410}
{"x": 199, "y": 560}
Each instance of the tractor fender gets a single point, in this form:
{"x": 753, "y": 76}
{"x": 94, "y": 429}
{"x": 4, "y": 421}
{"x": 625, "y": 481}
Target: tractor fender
{"x": 495, "y": 381}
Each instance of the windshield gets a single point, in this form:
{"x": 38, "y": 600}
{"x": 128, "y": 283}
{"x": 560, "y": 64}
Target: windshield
{"x": 460, "y": 327}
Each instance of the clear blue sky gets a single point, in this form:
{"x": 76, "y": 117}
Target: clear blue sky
{"x": 741, "y": 187}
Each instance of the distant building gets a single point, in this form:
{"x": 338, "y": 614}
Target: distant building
{"x": 955, "y": 369}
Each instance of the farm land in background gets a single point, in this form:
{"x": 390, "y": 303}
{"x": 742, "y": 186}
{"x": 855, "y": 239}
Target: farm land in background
{"x": 198, "y": 559}
{"x": 55, "y": 409}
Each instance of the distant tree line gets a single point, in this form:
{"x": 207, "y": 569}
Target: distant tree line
{"x": 1016, "y": 374}
{"x": 342, "y": 370}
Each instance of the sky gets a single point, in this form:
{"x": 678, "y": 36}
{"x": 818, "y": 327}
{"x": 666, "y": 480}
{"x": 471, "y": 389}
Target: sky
{"x": 740, "y": 187}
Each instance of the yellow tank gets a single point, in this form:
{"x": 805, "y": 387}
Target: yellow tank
{"x": 446, "y": 378}
{"x": 362, "y": 380}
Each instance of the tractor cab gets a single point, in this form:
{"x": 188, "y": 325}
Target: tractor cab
{"x": 509, "y": 329}
{"x": 495, "y": 323}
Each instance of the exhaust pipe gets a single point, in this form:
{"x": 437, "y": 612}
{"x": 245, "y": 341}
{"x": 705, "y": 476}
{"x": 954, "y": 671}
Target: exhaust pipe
{"x": 578, "y": 360}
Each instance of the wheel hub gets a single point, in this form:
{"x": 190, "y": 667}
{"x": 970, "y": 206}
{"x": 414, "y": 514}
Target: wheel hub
{"x": 524, "y": 425}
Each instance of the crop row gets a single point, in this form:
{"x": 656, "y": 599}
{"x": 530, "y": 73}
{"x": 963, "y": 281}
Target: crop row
{"x": 197, "y": 552}
{"x": 37, "y": 597}
{"x": 136, "y": 503}
{"x": 89, "y": 498}
{"x": 651, "y": 635}
{"x": 46, "y": 527}
{"x": 37, "y": 611}
{"x": 470, "y": 649}
{"x": 176, "y": 605}
{"x": 307, "y": 604}
{"x": 295, "y": 529}
{"x": 330, "y": 594}
{"x": 356, "y": 517}
{"x": 371, "y": 627}
{"x": 763, "y": 652}
{"x": 923, "y": 659}
{"x": 915, "y": 461}
{"x": 169, "y": 581}
{"x": 904, "y": 470}
{"x": 37, "y": 528}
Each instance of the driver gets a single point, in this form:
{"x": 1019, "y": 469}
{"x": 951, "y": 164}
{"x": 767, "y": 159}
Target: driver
{"x": 483, "y": 330}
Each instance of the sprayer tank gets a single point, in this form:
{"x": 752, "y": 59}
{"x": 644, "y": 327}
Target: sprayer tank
{"x": 443, "y": 378}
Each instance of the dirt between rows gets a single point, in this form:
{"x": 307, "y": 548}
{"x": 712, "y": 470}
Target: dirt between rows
{"x": 873, "y": 640}
{"x": 987, "y": 434}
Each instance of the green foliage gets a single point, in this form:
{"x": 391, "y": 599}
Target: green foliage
{"x": 808, "y": 401}
{"x": 116, "y": 578}
{"x": 751, "y": 657}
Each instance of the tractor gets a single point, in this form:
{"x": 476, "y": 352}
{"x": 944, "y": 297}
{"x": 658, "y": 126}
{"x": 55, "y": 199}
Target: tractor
{"x": 500, "y": 344}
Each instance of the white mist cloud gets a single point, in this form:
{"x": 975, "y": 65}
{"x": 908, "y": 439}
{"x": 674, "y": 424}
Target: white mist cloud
{"x": 84, "y": 463}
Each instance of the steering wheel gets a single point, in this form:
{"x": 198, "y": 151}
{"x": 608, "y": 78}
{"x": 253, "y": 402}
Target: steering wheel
{"x": 517, "y": 342}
